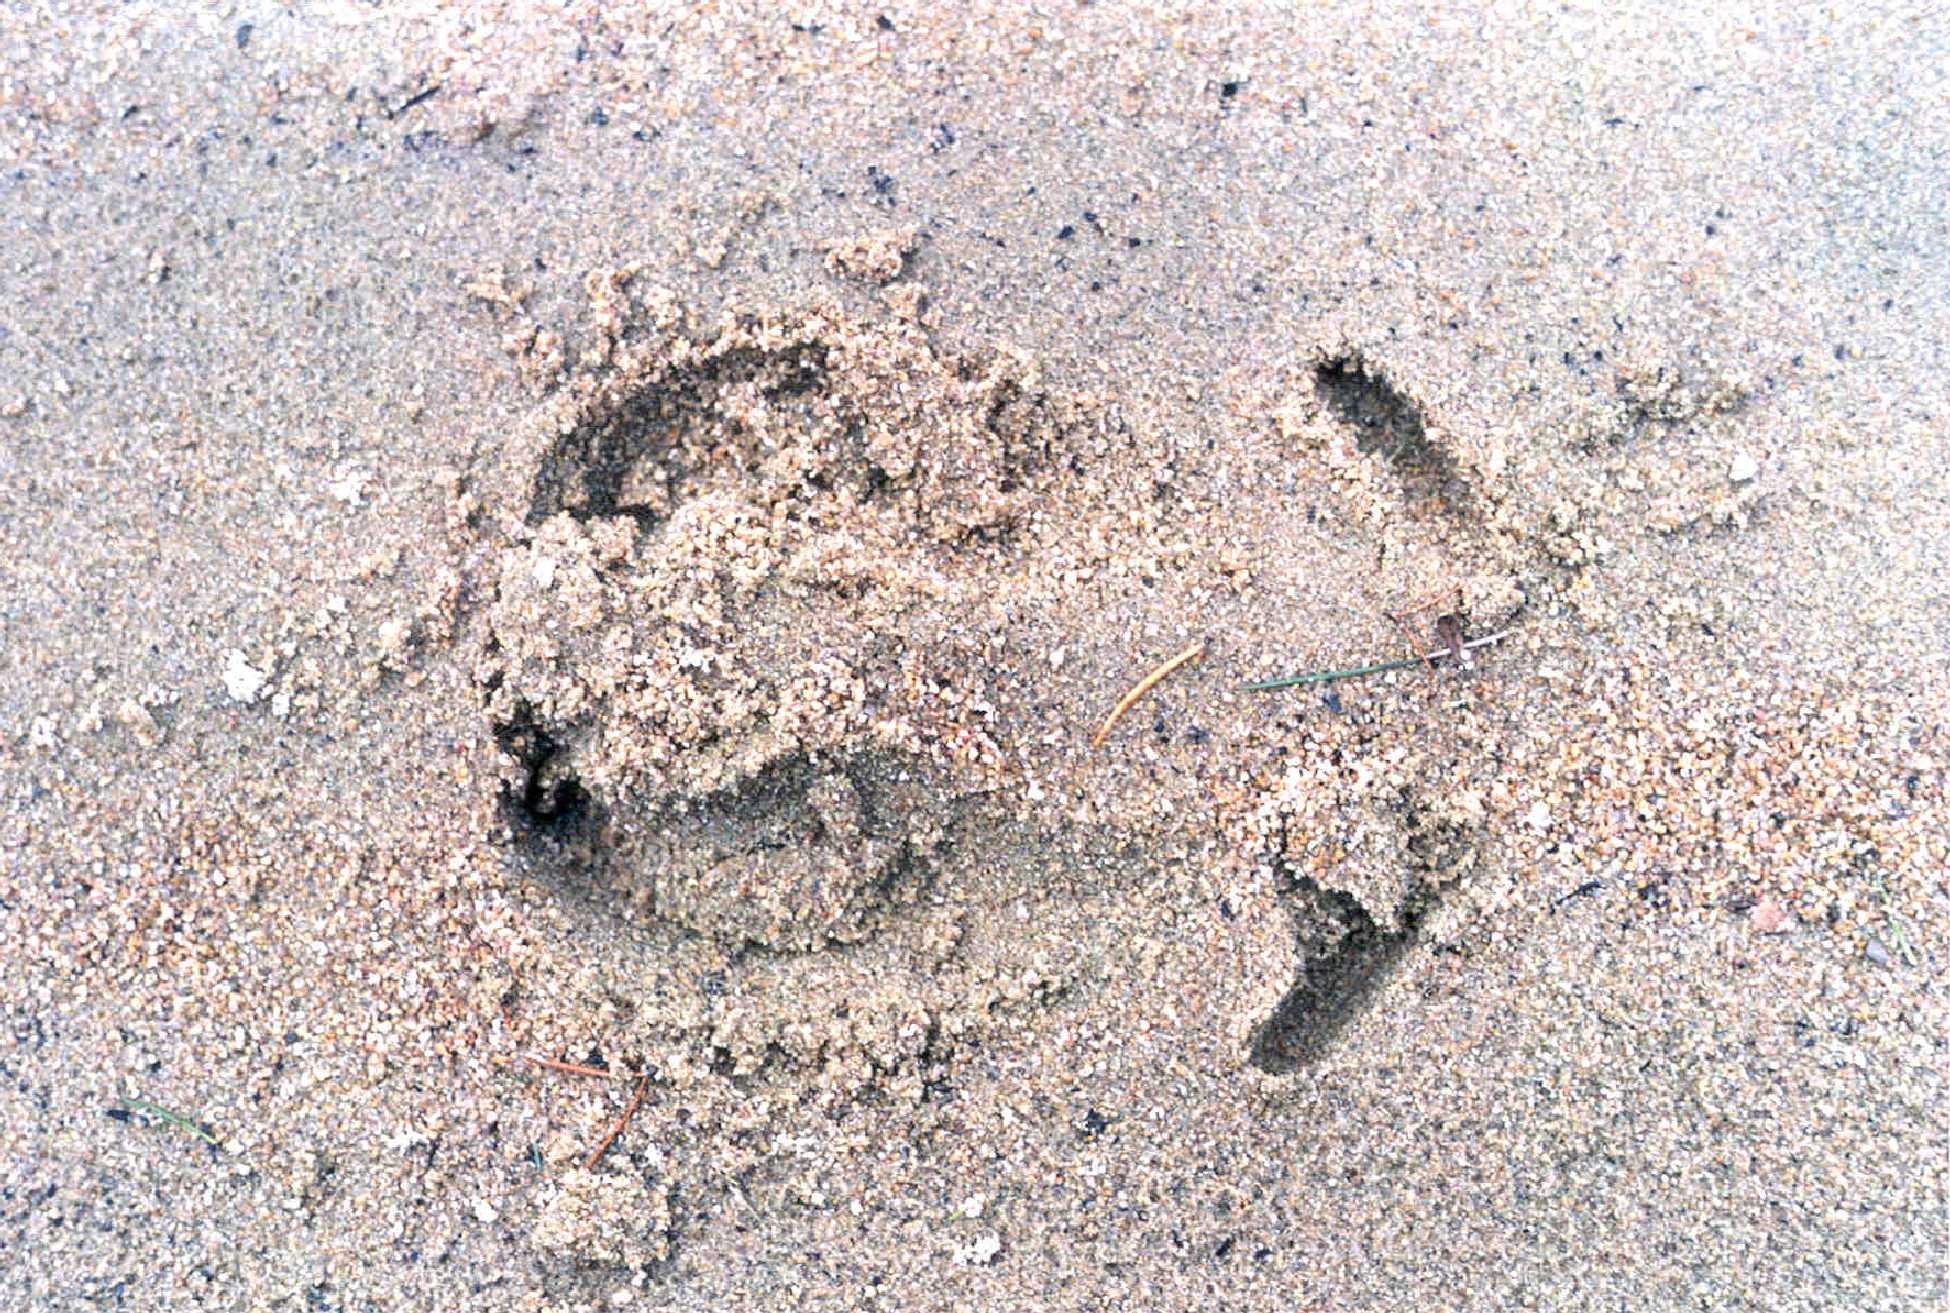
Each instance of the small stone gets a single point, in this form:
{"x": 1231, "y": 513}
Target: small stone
{"x": 484, "y": 1211}
{"x": 1877, "y": 953}
{"x": 350, "y": 485}
{"x": 1768, "y": 917}
{"x": 393, "y": 636}
{"x": 139, "y": 722}
{"x": 243, "y": 681}
{"x": 1539, "y": 815}
{"x": 1743, "y": 468}
{"x": 981, "y": 1253}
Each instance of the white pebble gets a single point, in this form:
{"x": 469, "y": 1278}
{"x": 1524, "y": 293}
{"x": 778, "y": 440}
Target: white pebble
{"x": 981, "y": 1252}
{"x": 243, "y": 681}
{"x": 1743, "y": 469}
{"x": 350, "y": 485}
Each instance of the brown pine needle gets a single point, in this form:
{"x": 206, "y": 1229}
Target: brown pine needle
{"x": 573, "y": 1068}
{"x": 596, "y": 1154}
{"x": 1144, "y": 686}
{"x": 1408, "y": 633}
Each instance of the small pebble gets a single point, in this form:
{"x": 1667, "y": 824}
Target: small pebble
{"x": 981, "y": 1253}
{"x": 241, "y": 680}
{"x": 1743, "y": 469}
{"x": 1876, "y": 953}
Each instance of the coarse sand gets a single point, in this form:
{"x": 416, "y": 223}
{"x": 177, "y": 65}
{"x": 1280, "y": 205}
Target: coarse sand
{"x": 563, "y": 566}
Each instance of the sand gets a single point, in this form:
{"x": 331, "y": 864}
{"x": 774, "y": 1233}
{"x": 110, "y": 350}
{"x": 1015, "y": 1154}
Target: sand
{"x": 543, "y": 535}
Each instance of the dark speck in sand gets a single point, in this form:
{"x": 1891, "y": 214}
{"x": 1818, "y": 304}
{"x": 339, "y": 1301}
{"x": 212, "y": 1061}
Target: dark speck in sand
{"x": 1584, "y": 890}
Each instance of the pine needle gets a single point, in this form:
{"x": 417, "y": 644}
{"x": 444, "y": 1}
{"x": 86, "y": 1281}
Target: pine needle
{"x": 1144, "y": 686}
{"x": 175, "y": 1119}
{"x": 1355, "y": 672}
{"x": 573, "y": 1068}
{"x": 596, "y": 1154}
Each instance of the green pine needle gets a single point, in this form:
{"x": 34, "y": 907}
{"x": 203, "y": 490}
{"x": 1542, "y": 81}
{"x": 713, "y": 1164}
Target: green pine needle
{"x": 1355, "y": 672}
{"x": 175, "y": 1119}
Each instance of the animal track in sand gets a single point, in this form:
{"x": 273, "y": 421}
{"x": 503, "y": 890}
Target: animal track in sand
{"x": 709, "y": 660}
{"x": 725, "y": 660}
{"x": 1389, "y": 424}
{"x": 1431, "y": 512}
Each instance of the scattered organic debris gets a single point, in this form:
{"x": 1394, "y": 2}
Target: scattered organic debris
{"x": 598, "y": 1073}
